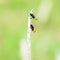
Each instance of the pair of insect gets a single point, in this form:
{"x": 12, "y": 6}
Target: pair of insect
{"x": 31, "y": 25}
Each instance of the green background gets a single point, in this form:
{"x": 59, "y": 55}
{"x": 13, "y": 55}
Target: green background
{"x": 13, "y": 28}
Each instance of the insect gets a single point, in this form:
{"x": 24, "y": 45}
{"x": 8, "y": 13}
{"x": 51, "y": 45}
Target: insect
{"x": 32, "y": 27}
{"x": 32, "y": 15}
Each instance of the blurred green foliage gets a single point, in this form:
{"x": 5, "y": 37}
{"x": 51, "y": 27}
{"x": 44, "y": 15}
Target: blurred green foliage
{"x": 13, "y": 27}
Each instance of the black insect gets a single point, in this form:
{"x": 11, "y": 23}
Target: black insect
{"x": 32, "y": 27}
{"x": 32, "y": 16}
